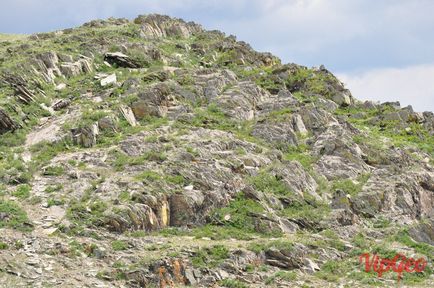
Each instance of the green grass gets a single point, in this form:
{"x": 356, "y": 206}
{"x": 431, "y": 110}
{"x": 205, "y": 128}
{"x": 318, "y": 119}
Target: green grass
{"x": 210, "y": 257}
{"x": 148, "y": 176}
{"x": 420, "y": 247}
{"x": 3, "y": 246}
{"x": 349, "y": 186}
{"x": 287, "y": 276}
{"x": 301, "y": 154}
{"x": 232, "y": 283}
{"x": 12, "y": 37}
{"x": 54, "y": 171}
{"x": 281, "y": 244}
{"x": 268, "y": 183}
{"x": 119, "y": 245}
{"x": 16, "y": 217}
{"x": 333, "y": 270}
{"x": 22, "y": 191}
{"x": 89, "y": 213}
{"x": 238, "y": 214}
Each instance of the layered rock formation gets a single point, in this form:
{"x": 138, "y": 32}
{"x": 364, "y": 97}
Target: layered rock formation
{"x": 154, "y": 153}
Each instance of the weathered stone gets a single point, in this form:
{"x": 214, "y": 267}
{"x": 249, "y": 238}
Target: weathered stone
{"x": 86, "y": 136}
{"x": 121, "y": 60}
{"x": 298, "y": 124}
{"x": 70, "y": 69}
{"x": 109, "y": 80}
{"x": 342, "y": 99}
{"x": 128, "y": 115}
{"x": 6, "y": 123}
{"x": 50, "y": 59}
{"x": 61, "y": 104}
{"x": 153, "y": 102}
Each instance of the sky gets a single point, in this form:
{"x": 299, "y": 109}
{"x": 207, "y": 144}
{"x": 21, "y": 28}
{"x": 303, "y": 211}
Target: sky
{"x": 382, "y": 50}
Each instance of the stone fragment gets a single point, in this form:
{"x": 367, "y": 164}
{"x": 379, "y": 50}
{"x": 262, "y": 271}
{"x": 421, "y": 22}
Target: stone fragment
{"x": 109, "y": 80}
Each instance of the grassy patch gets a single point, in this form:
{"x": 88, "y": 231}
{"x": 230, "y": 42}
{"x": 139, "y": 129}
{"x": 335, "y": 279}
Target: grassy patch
{"x": 269, "y": 183}
{"x": 350, "y": 187}
{"x": 16, "y": 217}
{"x": 22, "y": 191}
{"x": 119, "y": 245}
{"x": 287, "y": 276}
{"x": 240, "y": 214}
{"x": 210, "y": 257}
{"x": 300, "y": 153}
{"x": 232, "y": 283}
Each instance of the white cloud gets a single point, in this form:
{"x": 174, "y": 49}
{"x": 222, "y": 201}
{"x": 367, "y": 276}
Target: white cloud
{"x": 411, "y": 86}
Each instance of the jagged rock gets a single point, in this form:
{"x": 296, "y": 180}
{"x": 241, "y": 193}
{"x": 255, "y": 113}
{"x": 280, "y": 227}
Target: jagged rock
{"x": 121, "y": 60}
{"x": 424, "y": 232}
{"x": 342, "y": 99}
{"x": 107, "y": 123}
{"x": 310, "y": 267}
{"x": 6, "y": 123}
{"x": 65, "y": 58}
{"x": 135, "y": 216}
{"x": 61, "y": 104}
{"x": 291, "y": 258}
{"x": 341, "y": 200}
{"x": 280, "y": 134}
{"x": 71, "y": 69}
{"x": 86, "y": 136}
{"x": 184, "y": 207}
{"x": 298, "y": 125}
{"x": 169, "y": 272}
{"x": 192, "y": 174}
{"x": 50, "y": 59}
{"x": 153, "y": 102}
{"x": 128, "y": 115}
{"x": 18, "y": 83}
{"x": 85, "y": 64}
{"x": 163, "y": 26}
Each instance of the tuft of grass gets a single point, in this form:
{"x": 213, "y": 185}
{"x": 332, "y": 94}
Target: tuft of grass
{"x": 3, "y": 246}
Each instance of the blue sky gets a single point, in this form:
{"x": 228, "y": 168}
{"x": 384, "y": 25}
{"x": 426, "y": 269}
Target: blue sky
{"x": 383, "y": 50}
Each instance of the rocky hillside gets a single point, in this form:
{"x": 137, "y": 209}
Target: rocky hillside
{"x": 154, "y": 153}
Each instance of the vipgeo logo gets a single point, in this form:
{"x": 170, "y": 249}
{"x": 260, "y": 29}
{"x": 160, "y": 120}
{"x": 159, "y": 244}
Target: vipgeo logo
{"x": 398, "y": 264}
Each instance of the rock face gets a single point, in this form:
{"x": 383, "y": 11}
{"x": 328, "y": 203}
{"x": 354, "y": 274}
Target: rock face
{"x": 164, "y": 26}
{"x": 86, "y": 136}
{"x": 188, "y": 158}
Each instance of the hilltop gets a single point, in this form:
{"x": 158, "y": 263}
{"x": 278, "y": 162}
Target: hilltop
{"x": 155, "y": 153}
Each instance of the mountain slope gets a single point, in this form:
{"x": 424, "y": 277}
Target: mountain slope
{"x": 153, "y": 153}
